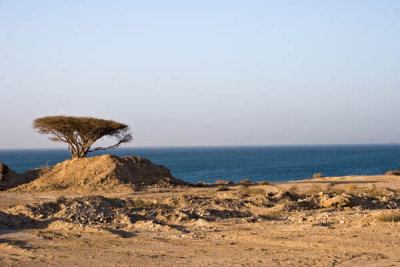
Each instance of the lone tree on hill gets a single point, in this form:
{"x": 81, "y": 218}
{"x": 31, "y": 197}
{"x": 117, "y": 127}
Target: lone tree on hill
{"x": 80, "y": 133}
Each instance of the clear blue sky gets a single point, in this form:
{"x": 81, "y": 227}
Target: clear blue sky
{"x": 204, "y": 72}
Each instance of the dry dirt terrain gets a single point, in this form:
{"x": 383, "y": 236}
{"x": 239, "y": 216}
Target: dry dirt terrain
{"x": 334, "y": 221}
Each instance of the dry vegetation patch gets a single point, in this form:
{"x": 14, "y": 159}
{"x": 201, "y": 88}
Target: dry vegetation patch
{"x": 317, "y": 175}
{"x": 393, "y": 172}
{"x": 222, "y": 188}
{"x": 246, "y": 181}
{"x": 247, "y": 191}
{"x": 388, "y": 216}
{"x": 223, "y": 182}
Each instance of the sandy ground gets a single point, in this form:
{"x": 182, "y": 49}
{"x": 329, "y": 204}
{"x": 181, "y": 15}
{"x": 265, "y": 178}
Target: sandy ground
{"x": 333, "y": 236}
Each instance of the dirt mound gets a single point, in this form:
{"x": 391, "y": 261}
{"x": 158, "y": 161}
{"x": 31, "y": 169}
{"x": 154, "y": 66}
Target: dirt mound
{"x": 101, "y": 173}
{"x": 190, "y": 207}
{"x": 329, "y": 200}
{"x": 86, "y": 210}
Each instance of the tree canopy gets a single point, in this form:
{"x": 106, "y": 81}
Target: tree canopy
{"x": 80, "y": 133}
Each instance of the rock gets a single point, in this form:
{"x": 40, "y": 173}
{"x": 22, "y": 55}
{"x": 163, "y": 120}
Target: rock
{"x": 202, "y": 224}
{"x": 3, "y": 170}
{"x": 9, "y": 178}
{"x": 6, "y": 174}
{"x": 338, "y": 201}
{"x": 302, "y": 219}
{"x": 281, "y": 195}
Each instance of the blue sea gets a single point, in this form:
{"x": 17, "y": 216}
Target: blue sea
{"x": 258, "y": 163}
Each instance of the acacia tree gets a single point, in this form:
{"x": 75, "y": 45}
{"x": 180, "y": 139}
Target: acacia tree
{"x": 80, "y": 133}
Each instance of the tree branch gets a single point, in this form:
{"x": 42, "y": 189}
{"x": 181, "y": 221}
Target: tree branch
{"x": 125, "y": 139}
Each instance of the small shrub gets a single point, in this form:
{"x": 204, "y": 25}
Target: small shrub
{"x": 273, "y": 214}
{"x": 330, "y": 186}
{"x": 245, "y": 181}
{"x": 256, "y": 191}
{"x": 264, "y": 203}
{"x": 314, "y": 189}
{"x": 293, "y": 188}
{"x": 373, "y": 191}
{"x": 200, "y": 184}
{"x": 222, "y": 188}
{"x": 338, "y": 191}
{"x": 222, "y": 182}
{"x": 246, "y": 191}
{"x": 394, "y": 172}
{"x": 388, "y": 216}
{"x": 318, "y": 175}
{"x": 351, "y": 187}
{"x": 264, "y": 183}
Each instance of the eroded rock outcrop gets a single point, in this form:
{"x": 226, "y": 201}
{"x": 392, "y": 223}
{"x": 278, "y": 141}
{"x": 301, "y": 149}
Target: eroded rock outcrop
{"x": 6, "y": 173}
{"x": 9, "y": 178}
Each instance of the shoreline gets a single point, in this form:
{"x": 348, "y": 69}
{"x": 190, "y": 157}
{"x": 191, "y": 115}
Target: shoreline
{"x": 272, "y": 164}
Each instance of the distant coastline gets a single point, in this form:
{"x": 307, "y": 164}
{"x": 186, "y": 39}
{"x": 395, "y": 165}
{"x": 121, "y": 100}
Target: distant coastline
{"x": 219, "y": 146}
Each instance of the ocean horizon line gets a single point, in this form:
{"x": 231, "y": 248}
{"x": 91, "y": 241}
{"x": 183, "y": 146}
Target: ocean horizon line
{"x": 217, "y": 146}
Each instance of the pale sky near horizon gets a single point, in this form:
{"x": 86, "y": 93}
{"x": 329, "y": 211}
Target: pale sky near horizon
{"x": 195, "y": 73}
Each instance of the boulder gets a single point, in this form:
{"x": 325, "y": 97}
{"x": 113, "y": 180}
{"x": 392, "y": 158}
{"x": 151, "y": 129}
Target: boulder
{"x": 8, "y": 177}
